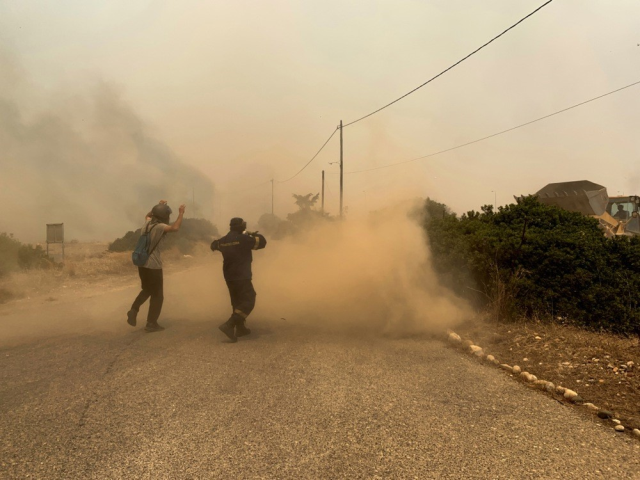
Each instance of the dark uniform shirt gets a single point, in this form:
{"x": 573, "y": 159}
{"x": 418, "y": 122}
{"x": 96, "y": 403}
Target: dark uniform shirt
{"x": 236, "y": 251}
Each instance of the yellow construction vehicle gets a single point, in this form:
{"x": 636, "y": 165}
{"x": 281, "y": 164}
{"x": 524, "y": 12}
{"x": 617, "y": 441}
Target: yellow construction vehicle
{"x": 617, "y": 215}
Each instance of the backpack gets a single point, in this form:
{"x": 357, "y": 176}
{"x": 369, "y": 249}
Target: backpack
{"x": 141, "y": 253}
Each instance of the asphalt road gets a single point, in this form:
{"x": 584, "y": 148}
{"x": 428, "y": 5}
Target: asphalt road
{"x": 83, "y": 395}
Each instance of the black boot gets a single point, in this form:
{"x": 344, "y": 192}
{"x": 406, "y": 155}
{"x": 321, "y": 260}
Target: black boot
{"x": 153, "y": 327}
{"x": 241, "y": 330}
{"x": 227, "y": 329}
{"x": 132, "y": 317}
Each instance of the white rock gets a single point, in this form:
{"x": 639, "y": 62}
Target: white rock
{"x": 490, "y": 358}
{"x": 630, "y": 364}
{"x": 516, "y": 369}
{"x": 619, "y": 428}
{"x": 636, "y": 432}
{"x": 560, "y": 390}
{"x": 570, "y": 394}
{"x": 591, "y": 406}
{"x": 533, "y": 378}
{"x": 454, "y": 338}
{"x": 538, "y": 338}
{"x": 550, "y": 387}
{"x": 506, "y": 367}
{"x": 616, "y": 421}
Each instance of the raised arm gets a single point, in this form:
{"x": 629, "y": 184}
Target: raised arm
{"x": 175, "y": 226}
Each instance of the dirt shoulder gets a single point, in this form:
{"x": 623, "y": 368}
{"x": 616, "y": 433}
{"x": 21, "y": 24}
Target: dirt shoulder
{"x": 603, "y": 368}
{"x": 88, "y": 267}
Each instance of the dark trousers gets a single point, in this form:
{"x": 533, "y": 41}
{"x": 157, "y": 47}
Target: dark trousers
{"x": 152, "y": 286}
{"x": 243, "y": 297}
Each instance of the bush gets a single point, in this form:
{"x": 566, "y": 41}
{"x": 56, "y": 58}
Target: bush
{"x": 532, "y": 260}
{"x": 15, "y": 255}
{"x": 192, "y": 231}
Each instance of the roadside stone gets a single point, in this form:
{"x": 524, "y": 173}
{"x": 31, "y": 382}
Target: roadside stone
{"x": 527, "y": 377}
{"x": 467, "y": 343}
{"x": 605, "y": 414}
{"x": 475, "y": 349}
{"x": 533, "y": 378}
{"x": 550, "y": 387}
{"x": 454, "y": 338}
{"x": 490, "y": 358}
{"x": 590, "y": 406}
{"x": 540, "y": 383}
{"x": 516, "y": 369}
{"x": 569, "y": 394}
{"x": 578, "y": 399}
{"x": 619, "y": 428}
{"x": 636, "y": 432}
{"x": 616, "y": 421}
{"x": 560, "y": 390}
{"x": 506, "y": 367}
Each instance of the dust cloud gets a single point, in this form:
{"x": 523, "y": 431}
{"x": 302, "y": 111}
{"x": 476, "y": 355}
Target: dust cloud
{"x": 371, "y": 273}
{"x": 84, "y": 158}
{"x": 374, "y": 274}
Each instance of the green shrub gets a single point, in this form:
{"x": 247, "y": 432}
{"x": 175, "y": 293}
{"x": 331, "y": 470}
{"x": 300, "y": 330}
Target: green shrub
{"x": 532, "y": 260}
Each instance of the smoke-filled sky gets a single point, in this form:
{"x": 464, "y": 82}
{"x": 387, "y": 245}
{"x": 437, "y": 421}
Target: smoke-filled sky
{"x": 106, "y": 105}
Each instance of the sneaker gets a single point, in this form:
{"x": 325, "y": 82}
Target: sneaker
{"x": 131, "y": 317}
{"x": 227, "y": 329}
{"x": 153, "y": 327}
{"x": 241, "y": 330}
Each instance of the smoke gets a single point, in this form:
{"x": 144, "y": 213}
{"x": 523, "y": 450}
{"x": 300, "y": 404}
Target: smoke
{"x": 87, "y": 160}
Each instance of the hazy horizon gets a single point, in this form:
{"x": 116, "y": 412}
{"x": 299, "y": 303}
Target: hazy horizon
{"x": 105, "y": 106}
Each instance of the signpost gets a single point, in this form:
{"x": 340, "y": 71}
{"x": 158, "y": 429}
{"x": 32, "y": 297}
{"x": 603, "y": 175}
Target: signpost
{"x": 55, "y": 234}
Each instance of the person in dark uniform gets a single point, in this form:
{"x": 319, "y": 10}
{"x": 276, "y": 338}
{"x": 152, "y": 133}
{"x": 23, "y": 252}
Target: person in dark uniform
{"x": 236, "y": 247}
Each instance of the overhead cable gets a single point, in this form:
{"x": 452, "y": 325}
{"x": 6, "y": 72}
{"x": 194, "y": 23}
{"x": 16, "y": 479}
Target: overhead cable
{"x": 495, "y": 134}
{"x": 451, "y": 67}
{"x": 312, "y": 158}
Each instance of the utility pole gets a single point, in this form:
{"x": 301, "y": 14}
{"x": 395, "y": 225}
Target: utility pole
{"x": 341, "y": 171}
{"x": 323, "y": 192}
{"x": 272, "y": 196}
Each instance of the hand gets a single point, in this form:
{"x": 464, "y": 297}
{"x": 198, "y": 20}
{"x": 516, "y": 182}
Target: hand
{"x": 181, "y": 209}
{"x": 162, "y": 202}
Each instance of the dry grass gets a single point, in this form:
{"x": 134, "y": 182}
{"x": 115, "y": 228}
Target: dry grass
{"x": 593, "y": 364}
{"x": 85, "y": 264}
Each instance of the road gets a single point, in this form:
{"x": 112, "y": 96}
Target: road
{"x": 83, "y": 395}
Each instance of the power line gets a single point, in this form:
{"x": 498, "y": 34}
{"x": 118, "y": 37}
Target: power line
{"x": 452, "y": 66}
{"x": 312, "y": 158}
{"x": 495, "y": 134}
